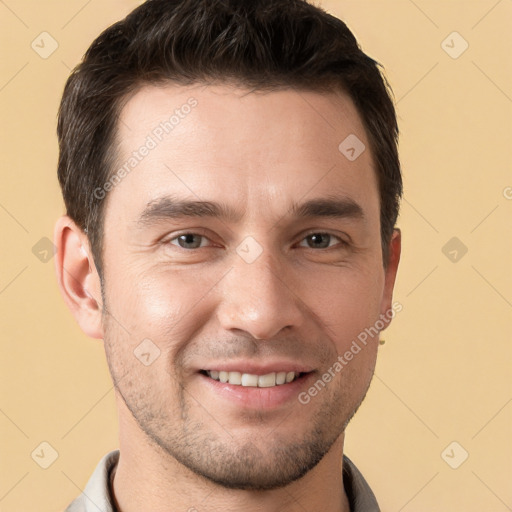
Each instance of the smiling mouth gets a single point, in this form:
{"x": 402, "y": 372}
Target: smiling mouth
{"x": 251, "y": 380}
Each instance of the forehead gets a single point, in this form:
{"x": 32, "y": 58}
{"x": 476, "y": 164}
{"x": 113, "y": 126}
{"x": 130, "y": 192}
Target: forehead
{"x": 220, "y": 110}
{"x": 255, "y": 147}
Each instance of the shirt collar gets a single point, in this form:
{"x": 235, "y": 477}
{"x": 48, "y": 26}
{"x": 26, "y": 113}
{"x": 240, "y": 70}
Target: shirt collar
{"x": 359, "y": 494}
{"x": 97, "y": 497}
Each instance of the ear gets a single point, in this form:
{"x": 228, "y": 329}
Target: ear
{"x": 395, "y": 248}
{"x": 77, "y": 276}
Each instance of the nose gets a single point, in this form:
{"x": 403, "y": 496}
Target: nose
{"x": 259, "y": 298}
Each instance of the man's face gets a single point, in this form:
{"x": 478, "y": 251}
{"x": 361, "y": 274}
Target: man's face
{"x": 272, "y": 287}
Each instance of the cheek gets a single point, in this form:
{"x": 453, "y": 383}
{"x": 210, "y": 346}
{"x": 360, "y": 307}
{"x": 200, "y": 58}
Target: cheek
{"x": 346, "y": 300}
{"x": 163, "y": 304}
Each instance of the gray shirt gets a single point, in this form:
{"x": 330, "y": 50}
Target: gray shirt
{"x": 97, "y": 497}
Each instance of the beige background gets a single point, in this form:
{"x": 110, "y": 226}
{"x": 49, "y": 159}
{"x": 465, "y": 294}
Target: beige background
{"x": 444, "y": 374}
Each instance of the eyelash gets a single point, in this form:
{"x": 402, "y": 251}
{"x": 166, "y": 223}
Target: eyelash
{"x": 341, "y": 243}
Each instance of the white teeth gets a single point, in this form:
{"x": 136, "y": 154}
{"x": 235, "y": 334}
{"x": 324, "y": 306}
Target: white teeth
{"x": 267, "y": 381}
{"x": 280, "y": 378}
{"x": 249, "y": 380}
{"x": 235, "y": 378}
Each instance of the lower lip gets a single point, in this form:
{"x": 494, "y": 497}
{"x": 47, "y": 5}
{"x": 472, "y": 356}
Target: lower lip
{"x": 259, "y": 398}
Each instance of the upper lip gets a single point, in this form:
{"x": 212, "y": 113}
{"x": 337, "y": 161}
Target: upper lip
{"x": 256, "y": 368}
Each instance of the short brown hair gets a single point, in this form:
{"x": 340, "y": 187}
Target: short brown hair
{"x": 261, "y": 44}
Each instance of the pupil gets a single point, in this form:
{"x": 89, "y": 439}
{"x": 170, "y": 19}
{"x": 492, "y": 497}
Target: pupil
{"x": 318, "y": 238}
{"x": 188, "y": 239}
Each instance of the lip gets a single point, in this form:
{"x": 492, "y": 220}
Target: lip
{"x": 253, "y": 398}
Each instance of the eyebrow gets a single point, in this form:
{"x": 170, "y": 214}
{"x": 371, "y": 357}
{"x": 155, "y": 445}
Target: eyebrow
{"x": 173, "y": 208}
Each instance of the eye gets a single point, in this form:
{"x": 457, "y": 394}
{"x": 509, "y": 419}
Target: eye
{"x": 189, "y": 241}
{"x": 321, "y": 240}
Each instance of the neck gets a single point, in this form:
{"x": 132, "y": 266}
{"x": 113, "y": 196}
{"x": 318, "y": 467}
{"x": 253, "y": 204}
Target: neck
{"x": 146, "y": 478}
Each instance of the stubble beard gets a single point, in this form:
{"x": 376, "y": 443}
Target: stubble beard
{"x": 225, "y": 460}
{"x": 230, "y": 461}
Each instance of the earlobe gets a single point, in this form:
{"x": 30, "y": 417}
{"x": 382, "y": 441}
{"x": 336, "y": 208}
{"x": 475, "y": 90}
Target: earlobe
{"x": 77, "y": 276}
